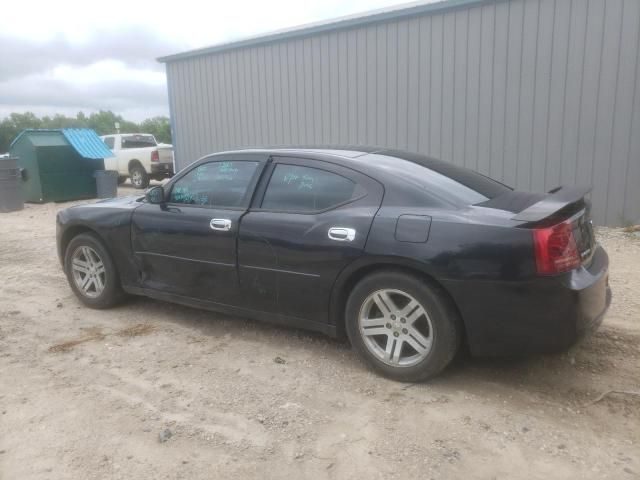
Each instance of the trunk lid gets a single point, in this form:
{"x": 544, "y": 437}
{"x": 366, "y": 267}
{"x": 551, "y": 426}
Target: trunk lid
{"x": 539, "y": 210}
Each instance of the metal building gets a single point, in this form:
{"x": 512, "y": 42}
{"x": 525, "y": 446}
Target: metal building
{"x": 535, "y": 93}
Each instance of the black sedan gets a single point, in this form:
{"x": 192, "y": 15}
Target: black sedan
{"x": 406, "y": 255}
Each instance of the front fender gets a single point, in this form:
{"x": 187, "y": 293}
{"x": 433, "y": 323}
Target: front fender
{"x": 111, "y": 223}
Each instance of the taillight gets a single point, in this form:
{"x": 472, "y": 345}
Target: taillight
{"x": 555, "y": 248}
{"x": 155, "y": 156}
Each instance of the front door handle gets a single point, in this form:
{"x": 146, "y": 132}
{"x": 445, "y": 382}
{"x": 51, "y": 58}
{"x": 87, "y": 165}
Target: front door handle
{"x": 222, "y": 224}
{"x": 342, "y": 234}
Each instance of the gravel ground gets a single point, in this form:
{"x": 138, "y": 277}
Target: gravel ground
{"x": 154, "y": 390}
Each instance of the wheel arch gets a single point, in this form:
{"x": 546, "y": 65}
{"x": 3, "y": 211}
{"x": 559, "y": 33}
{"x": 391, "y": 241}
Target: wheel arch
{"x": 351, "y": 275}
{"x": 73, "y": 231}
{"x": 134, "y": 162}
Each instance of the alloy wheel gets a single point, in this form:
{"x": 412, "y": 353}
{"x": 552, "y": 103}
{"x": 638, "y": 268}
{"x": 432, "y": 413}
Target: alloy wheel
{"x": 136, "y": 178}
{"x": 395, "y": 328}
{"x": 89, "y": 274}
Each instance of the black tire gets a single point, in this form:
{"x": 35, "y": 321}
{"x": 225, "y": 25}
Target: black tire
{"x": 446, "y": 327}
{"x": 139, "y": 177}
{"x": 112, "y": 293}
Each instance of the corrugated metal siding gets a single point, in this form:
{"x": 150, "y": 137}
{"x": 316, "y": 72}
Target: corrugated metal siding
{"x": 536, "y": 93}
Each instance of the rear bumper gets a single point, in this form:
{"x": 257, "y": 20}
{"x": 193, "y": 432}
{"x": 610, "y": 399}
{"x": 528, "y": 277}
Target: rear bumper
{"x": 544, "y": 314}
{"x": 162, "y": 169}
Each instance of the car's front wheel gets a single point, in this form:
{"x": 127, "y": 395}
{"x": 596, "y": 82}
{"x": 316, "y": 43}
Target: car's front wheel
{"x": 91, "y": 272}
{"x": 403, "y": 327}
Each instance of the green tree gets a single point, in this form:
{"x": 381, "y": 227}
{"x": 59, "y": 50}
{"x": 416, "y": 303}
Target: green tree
{"x": 11, "y": 126}
{"x": 159, "y": 127}
{"x": 103, "y": 122}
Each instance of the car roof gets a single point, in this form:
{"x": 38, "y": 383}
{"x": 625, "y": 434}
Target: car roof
{"x": 398, "y": 170}
{"x": 346, "y": 151}
{"x": 366, "y": 159}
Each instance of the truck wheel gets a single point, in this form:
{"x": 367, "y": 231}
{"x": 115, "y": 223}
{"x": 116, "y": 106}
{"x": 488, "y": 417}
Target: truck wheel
{"x": 139, "y": 177}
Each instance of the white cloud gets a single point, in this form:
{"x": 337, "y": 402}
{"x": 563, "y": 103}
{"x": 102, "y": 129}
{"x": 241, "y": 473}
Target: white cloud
{"x": 70, "y": 55}
{"x": 105, "y": 85}
{"x": 106, "y": 71}
{"x": 194, "y": 22}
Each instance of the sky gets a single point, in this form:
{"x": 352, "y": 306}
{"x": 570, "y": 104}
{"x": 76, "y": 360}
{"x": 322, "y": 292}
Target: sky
{"x": 70, "y": 56}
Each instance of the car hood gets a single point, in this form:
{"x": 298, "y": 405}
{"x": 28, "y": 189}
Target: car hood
{"x": 129, "y": 202}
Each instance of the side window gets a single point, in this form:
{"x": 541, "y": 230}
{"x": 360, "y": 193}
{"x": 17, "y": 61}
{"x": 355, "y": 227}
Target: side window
{"x": 296, "y": 188}
{"x": 214, "y": 184}
{"x": 109, "y": 142}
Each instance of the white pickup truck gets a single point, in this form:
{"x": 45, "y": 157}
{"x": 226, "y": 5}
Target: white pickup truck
{"x": 138, "y": 156}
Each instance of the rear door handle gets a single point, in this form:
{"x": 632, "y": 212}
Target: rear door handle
{"x": 222, "y": 224}
{"x": 342, "y": 234}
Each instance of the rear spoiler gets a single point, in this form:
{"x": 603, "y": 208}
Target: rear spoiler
{"x": 552, "y": 203}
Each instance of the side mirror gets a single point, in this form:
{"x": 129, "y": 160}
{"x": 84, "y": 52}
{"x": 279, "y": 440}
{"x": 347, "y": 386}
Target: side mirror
{"x": 155, "y": 195}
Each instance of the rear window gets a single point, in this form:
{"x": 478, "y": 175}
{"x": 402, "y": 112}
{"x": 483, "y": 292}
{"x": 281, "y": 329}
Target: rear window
{"x": 481, "y": 184}
{"x": 138, "y": 141}
{"x": 446, "y": 180}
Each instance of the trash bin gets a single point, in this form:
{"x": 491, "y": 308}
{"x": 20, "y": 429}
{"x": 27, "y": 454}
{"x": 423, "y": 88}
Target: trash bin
{"x": 106, "y": 183}
{"x": 11, "y": 198}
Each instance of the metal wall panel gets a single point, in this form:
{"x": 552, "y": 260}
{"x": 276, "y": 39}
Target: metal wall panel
{"x": 536, "y": 93}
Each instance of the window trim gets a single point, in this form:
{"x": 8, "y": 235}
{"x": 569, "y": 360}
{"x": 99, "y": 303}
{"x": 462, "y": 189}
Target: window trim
{"x": 246, "y": 199}
{"x": 302, "y": 162}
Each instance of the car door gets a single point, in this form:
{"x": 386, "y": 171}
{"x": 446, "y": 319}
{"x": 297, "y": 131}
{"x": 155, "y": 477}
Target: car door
{"x": 187, "y": 246}
{"x": 310, "y": 219}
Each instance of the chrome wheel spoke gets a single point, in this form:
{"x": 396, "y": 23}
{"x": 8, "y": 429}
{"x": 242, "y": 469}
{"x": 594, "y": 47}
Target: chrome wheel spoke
{"x": 86, "y": 252}
{"x": 392, "y": 350}
{"x": 412, "y": 311}
{"x": 97, "y": 281}
{"x": 419, "y": 342}
{"x": 80, "y": 266}
{"x": 409, "y": 308}
{"x": 373, "y": 322}
{"x": 86, "y": 283}
{"x": 382, "y": 330}
{"x": 384, "y": 302}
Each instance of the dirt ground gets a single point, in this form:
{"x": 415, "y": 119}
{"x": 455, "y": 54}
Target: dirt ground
{"x": 154, "y": 390}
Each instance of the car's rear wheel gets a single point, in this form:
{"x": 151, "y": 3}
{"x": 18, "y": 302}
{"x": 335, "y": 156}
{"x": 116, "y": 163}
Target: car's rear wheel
{"x": 91, "y": 272}
{"x": 401, "y": 326}
{"x": 139, "y": 177}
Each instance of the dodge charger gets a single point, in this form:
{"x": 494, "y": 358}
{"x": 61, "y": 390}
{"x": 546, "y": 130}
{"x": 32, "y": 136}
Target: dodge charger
{"x": 406, "y": 255}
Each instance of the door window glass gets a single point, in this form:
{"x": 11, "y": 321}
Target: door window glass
{"x": 214, "y": 184}
{"x": 108, "y": 142}
{"x": 296, "y": 188}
